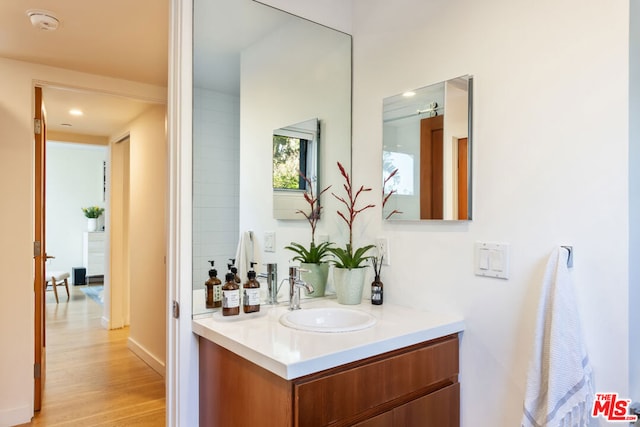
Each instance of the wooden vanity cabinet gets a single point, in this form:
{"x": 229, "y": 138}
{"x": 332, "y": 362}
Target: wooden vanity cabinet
{"x": 412, "y": 386}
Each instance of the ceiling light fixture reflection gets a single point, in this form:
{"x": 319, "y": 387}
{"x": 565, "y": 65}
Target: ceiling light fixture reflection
{"x": 75, "y": 112}
{"x": 408, "y": 94}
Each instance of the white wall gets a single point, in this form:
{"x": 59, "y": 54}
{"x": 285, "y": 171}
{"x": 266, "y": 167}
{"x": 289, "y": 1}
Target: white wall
{"x": 634, "y": 202}
{"x": 74, "y": 180}
{"x": 16, "y": 223}
{"x": 147, "y": 236}
{"x": 550, "y": 168}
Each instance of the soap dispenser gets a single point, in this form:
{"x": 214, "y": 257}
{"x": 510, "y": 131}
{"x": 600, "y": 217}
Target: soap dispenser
{"x": 234, "y": 270}
{"x": 230, "y": 295}
{"x": 251, "y": 295}
{"x": 214, "y": 288}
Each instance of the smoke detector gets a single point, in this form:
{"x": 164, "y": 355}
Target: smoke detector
{"x": 43, "y": 19}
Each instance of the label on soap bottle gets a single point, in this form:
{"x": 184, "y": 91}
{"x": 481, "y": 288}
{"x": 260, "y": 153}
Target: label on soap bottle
{"x": 252, "y": 296}
{"x": 231, "y": 298}
{"x": 217, "y": 292}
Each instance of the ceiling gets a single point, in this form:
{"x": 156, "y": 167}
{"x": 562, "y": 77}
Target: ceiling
{"x": 124, "y": 39}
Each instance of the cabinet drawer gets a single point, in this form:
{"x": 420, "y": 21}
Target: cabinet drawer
{"x": 356, "y": 391}
{"x": 96, "y": 236}
{"x": 95, "y": 247}
{"x": 438, "y": 409}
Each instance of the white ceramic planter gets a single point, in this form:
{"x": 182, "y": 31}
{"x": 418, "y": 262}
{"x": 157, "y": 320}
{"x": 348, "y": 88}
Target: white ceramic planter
{"x": 317, "y": 276}
{"x": 92, "y": 224}
{"x": 349, "y": 284}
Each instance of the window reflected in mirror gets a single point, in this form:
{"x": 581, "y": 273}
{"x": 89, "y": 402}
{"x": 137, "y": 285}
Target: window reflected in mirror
{"x": 295, "y": 151}
{"x": 289, "y": 157}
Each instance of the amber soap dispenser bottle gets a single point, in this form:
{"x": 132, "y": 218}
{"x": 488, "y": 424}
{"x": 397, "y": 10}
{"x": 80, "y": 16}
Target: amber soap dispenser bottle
{"x": 251, "y": 296}
{"x": 230, "y": 296}
{"x": 214, "y": 288}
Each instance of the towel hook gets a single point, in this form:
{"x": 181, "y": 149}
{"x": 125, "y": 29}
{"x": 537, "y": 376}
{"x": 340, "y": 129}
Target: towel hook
{"x": 570, "y": 257}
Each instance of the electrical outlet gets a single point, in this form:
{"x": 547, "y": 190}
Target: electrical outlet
{"x": 383, "y": 250}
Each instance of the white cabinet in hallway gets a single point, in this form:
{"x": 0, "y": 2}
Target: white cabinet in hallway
{"x": 93, "y": 253}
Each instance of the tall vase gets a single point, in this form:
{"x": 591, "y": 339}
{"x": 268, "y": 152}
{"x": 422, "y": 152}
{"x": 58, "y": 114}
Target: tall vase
{"x": 92, "y": 224}
{"x": 317, "y": 275}
{"x": 349, "y": 284}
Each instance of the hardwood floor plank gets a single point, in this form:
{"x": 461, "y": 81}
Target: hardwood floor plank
{"x": 92, "y": 378}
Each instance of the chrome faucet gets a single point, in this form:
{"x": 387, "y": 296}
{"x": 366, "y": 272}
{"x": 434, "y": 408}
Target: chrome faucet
{"x": 272, "y": 283}
{"x": 295, "y": 283}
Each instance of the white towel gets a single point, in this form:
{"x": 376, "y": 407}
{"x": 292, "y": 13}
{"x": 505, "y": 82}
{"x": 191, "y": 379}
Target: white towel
{"x": 248, "y": 251}
{"x": 559, "y": 386}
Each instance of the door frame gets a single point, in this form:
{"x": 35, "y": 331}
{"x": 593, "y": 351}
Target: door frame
{"x": 182, "y": 343}
{"x": 108, "y": 306}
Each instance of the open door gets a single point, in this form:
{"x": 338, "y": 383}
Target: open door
{"x": 463, "y": 178}
{"x": 432, "y": 168}
{"x": 39, "y": 247}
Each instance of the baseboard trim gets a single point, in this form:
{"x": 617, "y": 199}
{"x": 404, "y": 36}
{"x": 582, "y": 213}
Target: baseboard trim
{"x": 148, "y": 358}
{"x": 104, "y": 321}
{"x": 15, "y": 416}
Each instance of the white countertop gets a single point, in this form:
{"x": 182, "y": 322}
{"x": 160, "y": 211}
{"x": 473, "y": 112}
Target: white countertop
{"x": 290, "y": 353}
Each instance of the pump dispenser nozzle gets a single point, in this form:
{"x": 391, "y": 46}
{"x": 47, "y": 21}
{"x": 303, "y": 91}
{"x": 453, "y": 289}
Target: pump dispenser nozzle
{"x": 234, "y": 270}
{"x": 251, "y": 274}
{"x": 212, "y": 272}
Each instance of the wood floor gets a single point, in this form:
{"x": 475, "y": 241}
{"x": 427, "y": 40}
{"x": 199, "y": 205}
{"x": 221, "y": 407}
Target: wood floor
{"x": 92, "y": 379}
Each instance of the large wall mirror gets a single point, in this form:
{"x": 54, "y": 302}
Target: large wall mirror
{"x": 260, "y": 72}
{"x": 426, "y": 157}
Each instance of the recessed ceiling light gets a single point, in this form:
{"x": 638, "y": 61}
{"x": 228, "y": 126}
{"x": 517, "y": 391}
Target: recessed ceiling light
{"x": 43, "y": 19}
{"x": 75, "y": 112}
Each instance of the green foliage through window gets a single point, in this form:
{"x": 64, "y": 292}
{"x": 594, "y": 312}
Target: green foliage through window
{"x": 287, "y": 153}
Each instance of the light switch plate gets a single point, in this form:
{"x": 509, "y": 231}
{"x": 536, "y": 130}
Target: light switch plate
{"x": 270, "y": 241}
{"x": 491, "y": 260}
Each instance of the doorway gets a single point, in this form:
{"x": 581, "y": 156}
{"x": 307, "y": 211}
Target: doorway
{"x": 145, "y": 130}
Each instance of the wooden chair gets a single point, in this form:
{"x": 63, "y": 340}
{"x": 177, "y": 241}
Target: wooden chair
{"x": 55, "y": 279}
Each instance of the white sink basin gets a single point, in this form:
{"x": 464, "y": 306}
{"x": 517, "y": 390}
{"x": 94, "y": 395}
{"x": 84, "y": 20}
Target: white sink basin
{"x": 328, "y": 319}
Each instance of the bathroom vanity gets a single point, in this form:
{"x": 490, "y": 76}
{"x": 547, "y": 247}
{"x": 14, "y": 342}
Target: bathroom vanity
{"x": 402, "y": 371}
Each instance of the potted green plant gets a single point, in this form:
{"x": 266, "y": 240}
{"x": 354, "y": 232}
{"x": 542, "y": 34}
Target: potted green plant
{"x": 92, "y": 213}
{"x": 349, "y": 264}
{"x": 313, "y": 261}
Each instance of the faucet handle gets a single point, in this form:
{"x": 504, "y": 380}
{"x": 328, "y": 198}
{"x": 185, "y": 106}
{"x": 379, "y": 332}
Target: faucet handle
{"x": 294, "y": 271}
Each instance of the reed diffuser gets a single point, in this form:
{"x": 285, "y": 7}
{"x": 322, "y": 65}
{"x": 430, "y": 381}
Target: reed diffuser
{"x": 377, "y": 295}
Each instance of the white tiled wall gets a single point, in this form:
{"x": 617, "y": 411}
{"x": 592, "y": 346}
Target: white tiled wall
{"x": 216, "y": 159}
